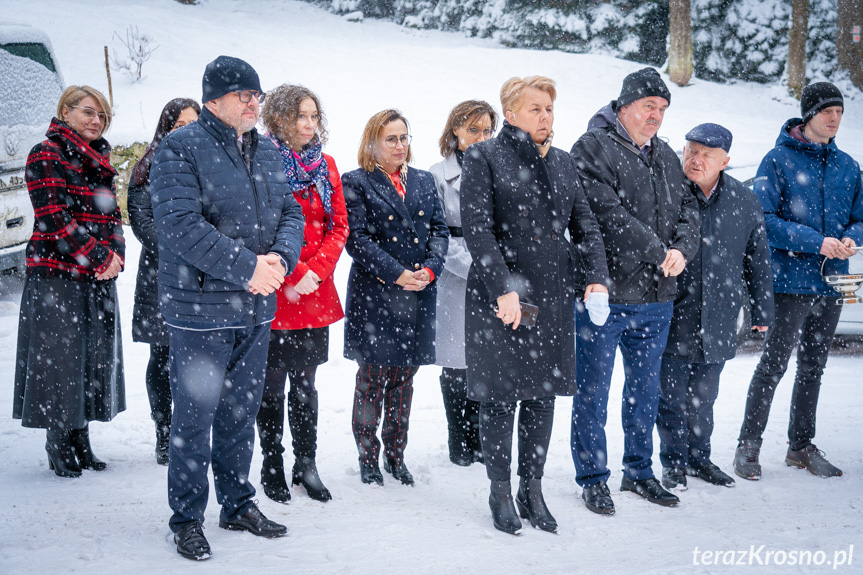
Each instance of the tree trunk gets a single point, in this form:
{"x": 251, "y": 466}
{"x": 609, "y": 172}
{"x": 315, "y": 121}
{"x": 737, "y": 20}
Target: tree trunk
{"x": 849, "y": 55}
{"x": 680, "y": 42}
{"x": 797, "y": 34}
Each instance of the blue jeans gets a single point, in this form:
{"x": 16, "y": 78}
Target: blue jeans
{"x": 641, "y": 331}
{"x": 687, "y": 392}
{"x": 217, "y": 379}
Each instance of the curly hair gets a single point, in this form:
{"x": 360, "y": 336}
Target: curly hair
{"x": 282, "y": 107}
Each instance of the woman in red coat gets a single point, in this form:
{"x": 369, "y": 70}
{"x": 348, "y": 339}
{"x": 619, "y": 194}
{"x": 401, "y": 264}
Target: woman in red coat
{"x": 307, "y": 302}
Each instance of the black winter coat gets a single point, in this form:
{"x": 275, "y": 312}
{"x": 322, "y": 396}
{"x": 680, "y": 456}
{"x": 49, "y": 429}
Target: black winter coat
{"x": 515, "y": 210}
{"x": 731, "y": 269}
{"x": 643, "y": 206}
{"x": 386, "y": 325}
{"x": 148, "y": 326}
{"x": 215, "y": 213}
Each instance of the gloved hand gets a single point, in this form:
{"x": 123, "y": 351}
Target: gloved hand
{"x": 597, "y": 307}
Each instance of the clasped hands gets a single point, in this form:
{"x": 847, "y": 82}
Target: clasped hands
{"x": 269, "y": 275}
{"x": 115, "y": 266}
{"x": 414, "y": 281}
{"x": 838, "y": 249}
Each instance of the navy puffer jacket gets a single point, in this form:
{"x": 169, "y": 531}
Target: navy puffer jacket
{"x": 808, "y": 192}
{"x": 214, "y": 216}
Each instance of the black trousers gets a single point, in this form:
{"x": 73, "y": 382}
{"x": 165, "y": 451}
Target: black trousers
{"x": 382, "y": 390}
{"x": 684, "y": 420}
{"x": 535, "y": 419}
{"x": 809, "y": 321}
{"x": 158, "y": 382}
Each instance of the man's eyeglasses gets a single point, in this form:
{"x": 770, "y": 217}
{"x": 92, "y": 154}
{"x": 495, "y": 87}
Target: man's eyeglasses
{"x": 393, "y": 141}
{"x": 90, "y": 113}
{"x": 488, "y": 132}
{"x": 247, "y": 95}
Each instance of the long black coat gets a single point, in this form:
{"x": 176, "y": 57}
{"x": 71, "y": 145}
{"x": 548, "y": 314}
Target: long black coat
{"x": 148, "y": 326}
{"x": 731, "y": 268}
{"x": 643, "y": 205}
{"x": 516, "y": 207}
{"x": 385, "y": 324}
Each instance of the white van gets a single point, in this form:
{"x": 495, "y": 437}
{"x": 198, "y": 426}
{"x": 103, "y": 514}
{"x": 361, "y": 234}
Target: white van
{"x": 30, "y": 86}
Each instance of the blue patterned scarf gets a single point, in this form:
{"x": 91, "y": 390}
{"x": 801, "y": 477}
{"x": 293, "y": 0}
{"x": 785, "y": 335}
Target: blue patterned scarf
{"x": 308, "y": 169}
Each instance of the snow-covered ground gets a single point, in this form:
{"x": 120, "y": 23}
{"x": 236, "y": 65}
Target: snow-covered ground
{"x": 116, "y": 521}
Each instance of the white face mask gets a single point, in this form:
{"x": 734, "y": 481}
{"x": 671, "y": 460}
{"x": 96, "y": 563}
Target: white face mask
{"x": 597, "y": 307}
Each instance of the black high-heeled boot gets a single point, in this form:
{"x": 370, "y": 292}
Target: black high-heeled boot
{"x": 531, "y": 505}
{"x": 305, "y": 473}
{"x": 502, "y": 508}
{"x": 81, "y": 445}
{"x": 271, "y": 424}
{"x": 61, "y": 458}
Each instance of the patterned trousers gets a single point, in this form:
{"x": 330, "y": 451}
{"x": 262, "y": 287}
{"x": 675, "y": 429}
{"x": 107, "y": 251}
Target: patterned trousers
{"x": 382, "y": 390}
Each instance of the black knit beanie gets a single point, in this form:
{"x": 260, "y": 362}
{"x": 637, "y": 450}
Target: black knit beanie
{"x": 818, "y": 96}
{"x": 642, "y": 84}
{"x": 226, "y": 74}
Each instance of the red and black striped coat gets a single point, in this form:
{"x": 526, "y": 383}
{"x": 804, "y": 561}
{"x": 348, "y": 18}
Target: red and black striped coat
{"x": 77, "y": 218}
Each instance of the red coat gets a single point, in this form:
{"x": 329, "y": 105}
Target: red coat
{"x": 321, "y": 250}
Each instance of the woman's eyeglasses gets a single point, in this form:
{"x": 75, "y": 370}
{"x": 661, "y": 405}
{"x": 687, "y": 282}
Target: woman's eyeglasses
{"x": 393, "y": 141}
{"x": 488, "y": 132}
{"x": 90, "y": 113}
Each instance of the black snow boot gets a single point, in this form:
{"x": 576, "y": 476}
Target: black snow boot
{"x": 531, "y": 505}
{"x": 452, "y": 386}
{"x": 502, "y": 508}
{"x": 271, "y": 424}
{"x": 163, "y": 442}
{"x": 61, "y": 458}
{"x": 81, "y": 444}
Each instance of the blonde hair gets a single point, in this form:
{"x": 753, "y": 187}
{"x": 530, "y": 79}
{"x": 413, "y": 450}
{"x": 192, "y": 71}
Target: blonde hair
{"x": 512, "y": 91}
{"x": 465, "y": 114}
{"x": 373, "y": 129}
{"x": 73, "y": 95}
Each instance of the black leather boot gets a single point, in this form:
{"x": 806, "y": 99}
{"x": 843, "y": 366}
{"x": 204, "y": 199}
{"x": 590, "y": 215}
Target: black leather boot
{"x": 452, "y": 386}
{"x": 61, "y": 457}
{"x": 531, "y": 505}
{"x": 502, "y": 508}
{"x": 81, "y": 445}
{"x": 305, "y": 473}
{"x": 271, "y": 424}
{"x": 303, "y": 419}
{"x": 163, "y": 442}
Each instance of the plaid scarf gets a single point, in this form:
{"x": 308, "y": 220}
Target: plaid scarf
{"x": 308, "y": 169}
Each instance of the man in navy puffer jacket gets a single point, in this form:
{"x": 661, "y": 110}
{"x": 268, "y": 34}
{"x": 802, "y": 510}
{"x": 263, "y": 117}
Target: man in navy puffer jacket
{"x": 229, "y": 232}
{"x": 812, "y": 198}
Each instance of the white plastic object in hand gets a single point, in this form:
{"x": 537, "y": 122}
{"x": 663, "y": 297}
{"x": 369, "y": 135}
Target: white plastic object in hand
{"x": 597, "y": 307}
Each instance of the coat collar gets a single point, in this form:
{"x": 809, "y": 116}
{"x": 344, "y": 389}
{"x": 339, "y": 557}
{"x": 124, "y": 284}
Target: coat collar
{"x": 526, "y": 148}
{"x": 384, "y": 188}
{"x": 99, "y": 150}
{"x": 227, "y": 136}
{"x": 451, "y": 168}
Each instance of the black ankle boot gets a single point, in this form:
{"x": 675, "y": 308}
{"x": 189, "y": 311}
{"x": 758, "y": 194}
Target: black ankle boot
{"x": 531, "y": 505}
{"x": 61, "y": 458}
{"x": 163, "y": 442}
{"x": 502, "y": 508}
{"x": 305, "y": 473}
{"x": 273, "y": 479}
{"x": 81, "y": 445}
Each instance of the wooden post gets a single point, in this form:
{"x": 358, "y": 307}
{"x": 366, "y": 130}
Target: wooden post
{"x": 108, "y": 72}
{"x": 797, "y": 35}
